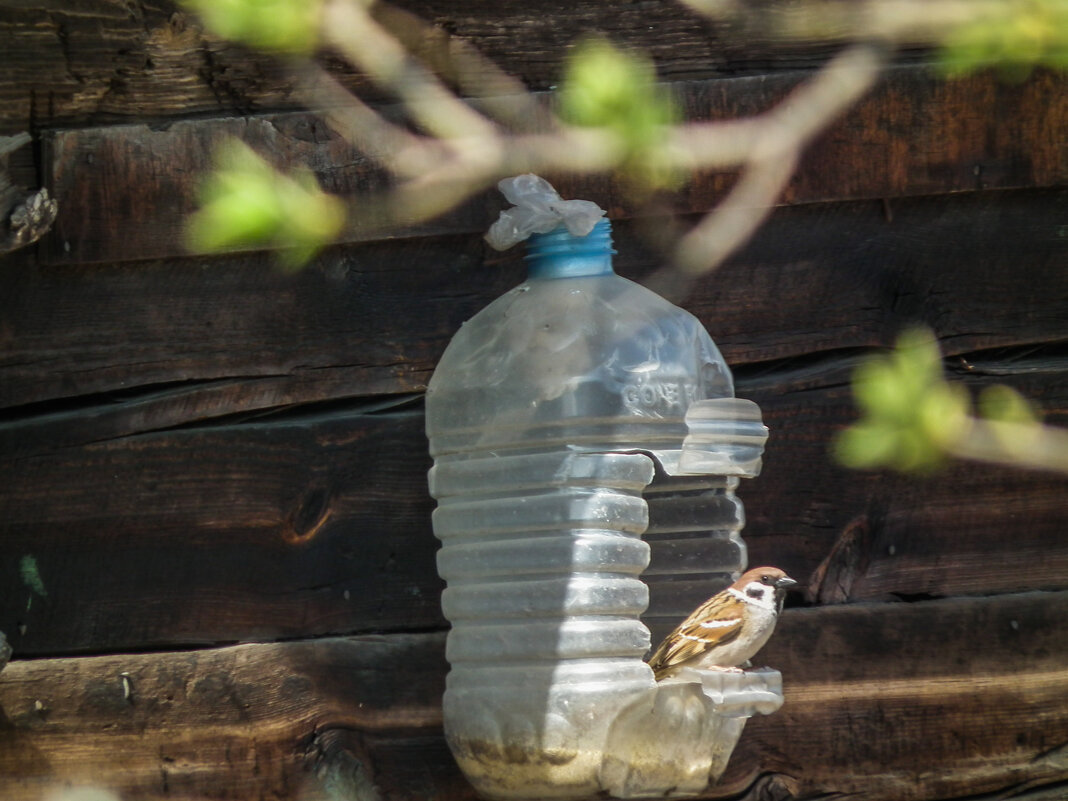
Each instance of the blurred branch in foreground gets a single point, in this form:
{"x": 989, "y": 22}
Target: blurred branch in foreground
{"x": 912, "y": 419}
{"x": 247, "y": 200}
{"x": 772, "y": 147}
{"x": 1013, "y": 36}
{"x": 610, "y": 117}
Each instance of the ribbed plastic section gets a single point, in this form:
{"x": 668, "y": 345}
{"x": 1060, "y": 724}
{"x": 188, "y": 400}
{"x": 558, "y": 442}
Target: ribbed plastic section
{"x": 725, "y": 437}
{"x": 542, "y": 554}
{"x": 695, "y": 544}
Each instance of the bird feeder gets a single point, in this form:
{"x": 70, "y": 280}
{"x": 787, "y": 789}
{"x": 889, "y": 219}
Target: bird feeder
{"x": 587, "y": 444}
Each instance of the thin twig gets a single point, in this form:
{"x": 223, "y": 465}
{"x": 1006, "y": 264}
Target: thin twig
{"x": 465, "y": 172}
{"x": 779, "y": 137}
{"x": 1031, "y": 445}
{"x": 398, "y": 150}
{"x": 817, "y": 103}
{"x": 499, "y": 95}
{"x": 901, "y": 23}
{"x": 730, "y": 224}
{"x": 466, "y": 152}
{"x": 348, "y": 26}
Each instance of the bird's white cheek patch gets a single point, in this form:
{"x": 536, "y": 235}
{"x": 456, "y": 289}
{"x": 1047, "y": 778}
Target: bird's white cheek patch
{"x": 739, "y": 595}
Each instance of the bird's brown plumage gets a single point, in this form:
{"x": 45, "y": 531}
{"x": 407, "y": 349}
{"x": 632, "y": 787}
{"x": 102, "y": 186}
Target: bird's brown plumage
{"x": 718, "y": 622}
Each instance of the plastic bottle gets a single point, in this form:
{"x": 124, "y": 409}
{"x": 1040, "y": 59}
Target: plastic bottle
{"x": 573, "y": 415}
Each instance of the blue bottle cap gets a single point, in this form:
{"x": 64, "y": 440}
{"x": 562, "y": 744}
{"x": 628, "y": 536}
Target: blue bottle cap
{"x": 561, "y": 254}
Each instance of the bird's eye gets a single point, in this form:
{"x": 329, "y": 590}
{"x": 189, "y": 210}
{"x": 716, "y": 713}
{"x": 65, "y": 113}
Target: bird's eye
{"x": 765, "y": 579}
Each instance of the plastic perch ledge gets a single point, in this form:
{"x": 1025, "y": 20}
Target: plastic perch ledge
{"x": 576, "y": 420}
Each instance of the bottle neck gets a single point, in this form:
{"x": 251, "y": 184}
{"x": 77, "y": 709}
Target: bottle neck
{"x": 560, "y": 254}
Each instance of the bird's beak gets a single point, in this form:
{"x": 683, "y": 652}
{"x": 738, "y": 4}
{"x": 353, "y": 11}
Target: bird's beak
{"x": 785, "y": 583}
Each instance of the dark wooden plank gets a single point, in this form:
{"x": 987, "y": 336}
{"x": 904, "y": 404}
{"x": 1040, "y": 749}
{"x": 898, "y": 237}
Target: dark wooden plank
{"x": 904, "y": 702}
{"x": 880, "y": 704}
{"x": 72, "y": 63}
{"x": 530, "y": 41}
{"x": 248, "y": 335}
{"x": 313, "y": 526}
{"x": 124, "y": 191}
{"x": 102, "y": 473}
{"x": 318, "y": 522}
{"x": 248, "y": 721}
{"x": 189, "y": 340}
{"x": 968, "y": 529}
{"x": 849, "y": 535}
{"x": 75, "y": 63}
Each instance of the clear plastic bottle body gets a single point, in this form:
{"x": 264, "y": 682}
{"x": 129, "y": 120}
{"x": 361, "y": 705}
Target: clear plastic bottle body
{"x": 557, "y": 419}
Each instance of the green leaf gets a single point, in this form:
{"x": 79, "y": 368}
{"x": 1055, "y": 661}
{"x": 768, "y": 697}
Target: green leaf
{"x": 1006, "y": 405}
{"x": 246, "y": 203}
{"x": 908, "y": 411}
{"x": 605, "y": 87}
{"x": 1013, "y": 37}
{"x": 31, "y": 576}
{"x": 917, "y": 360}
{"x": 943, "y": 414}
{"x": 912, "y": 419}
{"x": 865, "y": 446}
{"x": 880, "y": 393}
{"x": 287, "y": 26}
{"x": 916, "y": 453}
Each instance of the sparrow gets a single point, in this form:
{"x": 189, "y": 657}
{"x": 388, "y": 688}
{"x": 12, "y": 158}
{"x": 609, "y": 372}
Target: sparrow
{"x": 728, "y": 628}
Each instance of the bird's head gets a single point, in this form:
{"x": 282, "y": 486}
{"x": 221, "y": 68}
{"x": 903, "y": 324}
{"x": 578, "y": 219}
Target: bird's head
{"x": 764, "y": 584}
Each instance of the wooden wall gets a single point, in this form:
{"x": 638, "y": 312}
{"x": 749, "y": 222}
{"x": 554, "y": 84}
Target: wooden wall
{"x": 216, "y": 563}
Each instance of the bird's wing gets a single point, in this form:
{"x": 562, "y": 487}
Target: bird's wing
{"x": 713, "y": 623}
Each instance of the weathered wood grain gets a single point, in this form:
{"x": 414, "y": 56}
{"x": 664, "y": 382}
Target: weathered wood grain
{"x": 76, "y": 63}
{"x": 221, "y": 534}
{"x": 72, "y": 63}
{"x": 318, "y": 523}
{"x": 124, "y": 191}
{"x": 348, "y": 326}
{"x": 880, "y": 704}
{"x": 915, "y": 701}
{"x": 250, "y": 721}
{"x": 197, "y": 452}
{"x": 184, "y": 341}
{"x": 190, "y": 454}
{"x": 967, "y": 529}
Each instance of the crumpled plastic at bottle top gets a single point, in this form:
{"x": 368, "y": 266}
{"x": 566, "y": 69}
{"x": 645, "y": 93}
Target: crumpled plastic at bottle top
{"x": 538, "y": 209}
